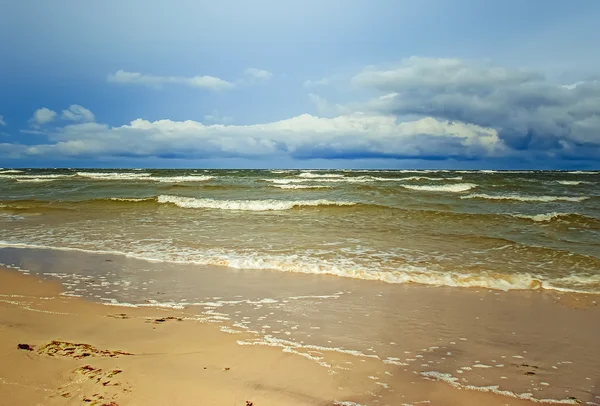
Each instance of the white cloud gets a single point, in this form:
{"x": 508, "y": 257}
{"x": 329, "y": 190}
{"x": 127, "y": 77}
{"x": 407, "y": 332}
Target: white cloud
{"x": 200, "y": 82}
{"x": 529, "y": 112}
{"x": 2, "y": 122}
{"x": 351, "y": 136}
{"x": 76, "y": 112}
{"x": 42, "y": 116}
{"x": 259, "y": 74}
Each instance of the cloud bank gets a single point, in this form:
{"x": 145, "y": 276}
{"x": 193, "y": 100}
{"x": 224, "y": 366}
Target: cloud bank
{"x": 528, "y": 112}
{"x": 422, "y": 108}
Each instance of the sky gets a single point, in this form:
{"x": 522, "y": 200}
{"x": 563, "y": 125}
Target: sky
{"x": 466, "y": 84}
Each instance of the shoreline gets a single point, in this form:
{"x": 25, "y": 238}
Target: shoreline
{"x": 172, "y": 346}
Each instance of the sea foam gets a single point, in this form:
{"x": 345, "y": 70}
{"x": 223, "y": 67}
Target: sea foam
{"x": 407, "y": 274}
{"x": 455, "y": 188}
{"x": 250, "y": 205}
{"x": 526, "y": 198}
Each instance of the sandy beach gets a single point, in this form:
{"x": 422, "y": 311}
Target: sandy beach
{"x": 80, "y": 352}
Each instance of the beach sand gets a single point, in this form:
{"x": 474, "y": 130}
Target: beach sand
{"x": 87, "y": 353}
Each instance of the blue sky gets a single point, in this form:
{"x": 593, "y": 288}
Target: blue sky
{"x": 397, "y": 84}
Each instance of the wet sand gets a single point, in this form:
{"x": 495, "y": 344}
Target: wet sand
{"x": 88, "y": 353}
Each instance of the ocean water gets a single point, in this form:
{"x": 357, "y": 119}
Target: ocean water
{"x": 515, "y": 230}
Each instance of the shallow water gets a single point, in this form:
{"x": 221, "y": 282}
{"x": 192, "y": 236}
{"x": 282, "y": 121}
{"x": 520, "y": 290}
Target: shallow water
{"x": 520, "y": 341}
{"x": 499, "y": 230}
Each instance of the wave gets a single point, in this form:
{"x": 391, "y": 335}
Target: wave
{"x": 21, "y": 178}
{"x": 318, "y": 175}
{"x": 455, "y": 188}
{"x": 585, "y": 172}
{"x": 12, "y": 171}
{"x": 422, "y": 178}
{"x": 132, "y": 199}
{"x": 35, "y": 180}
{"x": 300, "y": 186}
{"x": 249, "y": 205}
{"x": 545, "y": 217}
{"x": 142, "y": 177}
{"x": 525, "y": 198}
{"x": 112, "y": 175}
{"x": 358, "y": 179}
{"x": 407, "y": 275}
{"x": 176, "y": 179}
{"x": 573, "y": 182}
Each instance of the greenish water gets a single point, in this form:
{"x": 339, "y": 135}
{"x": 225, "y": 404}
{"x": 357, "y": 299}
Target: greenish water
{"x": 500, "y": 230}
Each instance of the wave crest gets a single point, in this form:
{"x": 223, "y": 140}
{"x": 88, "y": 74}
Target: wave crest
{"x": 246, "y": 205}
{"x": 526, "y": 198}
{"x": 454, "y": 188}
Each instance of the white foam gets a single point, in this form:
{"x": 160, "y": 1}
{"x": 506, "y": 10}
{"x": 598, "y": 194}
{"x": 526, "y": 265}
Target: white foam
{"x": 454, "y": 188}
{"x": 423, "y": 178}
{"x": 454, "y": 382}
{"x": 11, "y": 171}
{"x": 177, "y": 179}
{"x": 318, "y": 175}
{"x": 526, "y": 198}
{"x": 142, "y": 177}
{"x": 358, "y": 179}
{"x": 112, "y": 175}
{"x": 131, "y": 199}
{"x": 574, "y": 182}
{"x": 301, "y": 186}
{"x": 308, "y": 265}
{"x": 250, "y": 205}
{"x": 35, "y": 180}
{"x": 543, "y": 217}
{"x": 22, "y": 178}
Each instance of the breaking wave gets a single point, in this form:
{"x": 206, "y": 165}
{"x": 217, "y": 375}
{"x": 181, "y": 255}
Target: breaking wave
{"x": 142, "y": 177}
{"x": 573, "y": 182}
{"x": 318, "y": 175}
{"x": 406, "y": 275}
{"x": 300, "y": 186}
{"x": 249, "y": 205}
{"x": 521, "y": 198}
{"x": 455, "y": 188}
{"x": 11, "y": 171}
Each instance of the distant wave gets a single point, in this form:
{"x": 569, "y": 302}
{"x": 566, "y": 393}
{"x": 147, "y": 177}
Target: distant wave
{"x": 142, "y": 177}
{"x": 358, "y": 179}
{"x": 300, "y": 186}
{"x": 455, "y": 188}
{"x": 112, "y": 175}
{"x": 11, "y": 171}
{"x": 250, "y": 205}
{"x": 36, "y": 180}
{"x": 574, "y": 182}
{"x": 526, "y": 198}
{"x": 585, "y": 172}
{"x": 546, "y": 217}
{"x": 353, "y": 179}
{"x": 422, "y": 178}
{"x": 132, "y": 199}
{"x": 318, "y": 175}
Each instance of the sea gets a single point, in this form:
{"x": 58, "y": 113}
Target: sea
{"x": 411, "y": 267}
{"x": 491, "y": 229}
